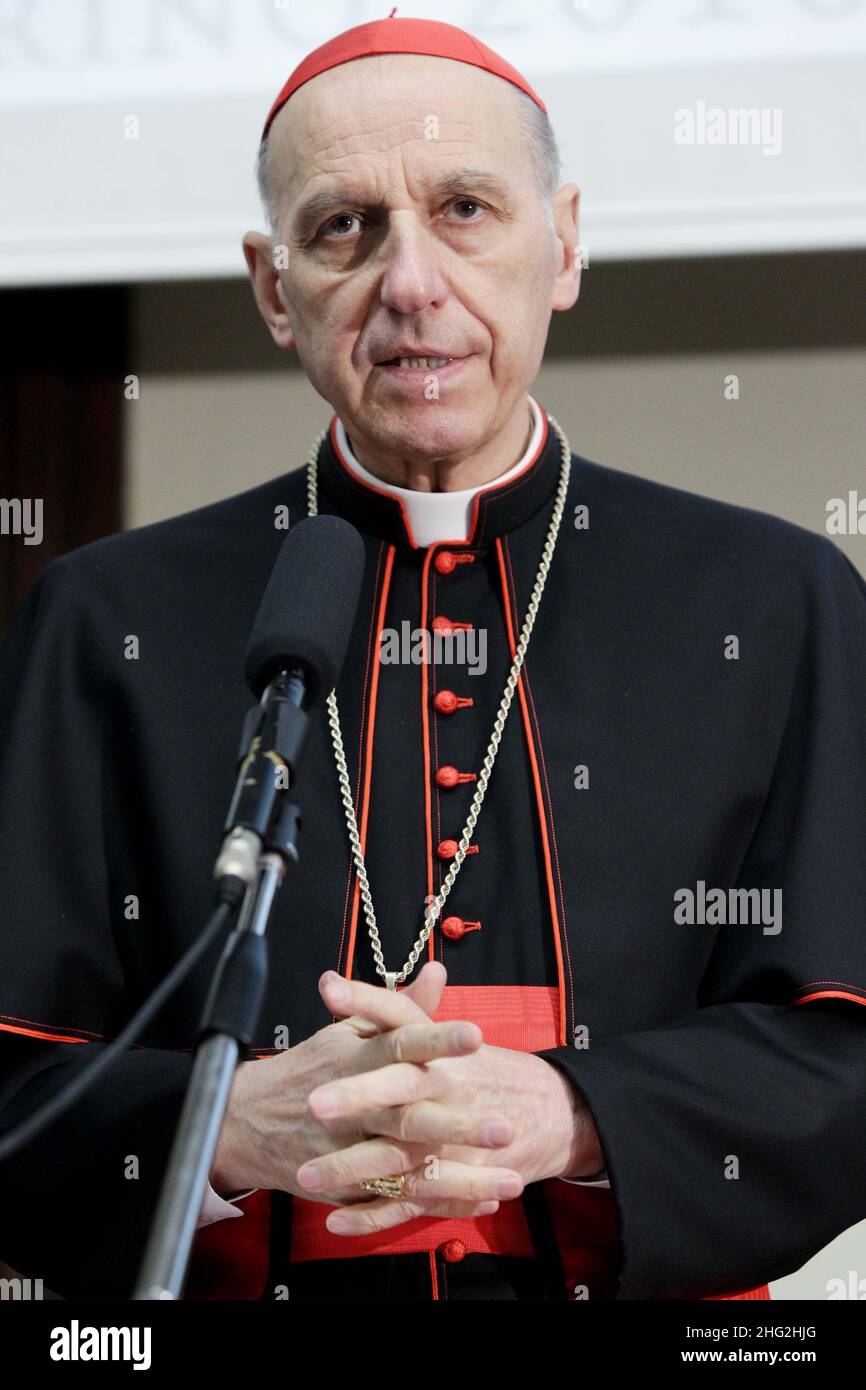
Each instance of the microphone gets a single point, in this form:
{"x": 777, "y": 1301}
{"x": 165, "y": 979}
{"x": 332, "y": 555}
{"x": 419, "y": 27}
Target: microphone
{"x": 294, "y": 658}
{"x": 308, "y": 607}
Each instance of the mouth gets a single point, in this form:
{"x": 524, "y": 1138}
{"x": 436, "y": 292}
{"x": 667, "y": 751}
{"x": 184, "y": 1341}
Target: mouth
{"x": 429, "y": 363}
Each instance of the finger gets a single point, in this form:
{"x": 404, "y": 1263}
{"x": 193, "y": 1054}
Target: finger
{"x": 386, "y": 1008}
{"x": 424, "y": 1042}
{"x": 339, "y": 1173}
{"x": 420, "y": 1042}
{"x": 427, "y": 1177}
{"x": 429, "y": 1122}
{"x": 446, "y": 1180}
{"x": 364, "y": 1218}
{"x": 426, "y": 989}
{"x": 384, "y": 1214}
{"x": 400, "y": 1083}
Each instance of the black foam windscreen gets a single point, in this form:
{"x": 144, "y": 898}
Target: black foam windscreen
{"x": 308, "y": 607}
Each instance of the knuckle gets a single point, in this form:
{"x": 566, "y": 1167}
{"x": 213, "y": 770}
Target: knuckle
{"x": 482, "y": 1187}
{"x": 462, "y": 1131}
{"x": 455, "y": 1208}
{"x": 399, "y": 1045}
{"x": 416, "y": 1083}
{"x": 411, "y": 1083}
{"x": 380, "y": 1218}
{"x": 404, "y": 1123}
{"x": 395, "y": 1158}
{"x": 337, "y": 1173}
{"x": 368, "y": 1222}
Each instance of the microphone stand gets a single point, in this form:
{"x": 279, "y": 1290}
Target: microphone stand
{"x": 263, "y": 825}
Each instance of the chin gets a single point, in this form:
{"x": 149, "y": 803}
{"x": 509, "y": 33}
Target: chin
{"x": 427, "y": 431}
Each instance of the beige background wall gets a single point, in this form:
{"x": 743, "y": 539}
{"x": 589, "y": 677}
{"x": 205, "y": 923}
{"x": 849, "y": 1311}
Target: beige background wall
{"x": 634, "y": 374}
{"x": 788, "y": 444}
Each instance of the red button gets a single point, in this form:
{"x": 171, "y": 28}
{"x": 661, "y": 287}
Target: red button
{"x": 455, "y": 927}
{"x": 446, "y": 702}
{"x": 448, "y": 776}
{"x": 446, "y": 849}
{"x": 448, "y": 625}
{"x": 453, "y": 1250}
{"x": 446, "y": 561}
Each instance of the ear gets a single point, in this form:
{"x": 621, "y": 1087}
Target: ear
{"x": 268, "y": 288}
{"x": 566, "y": 207}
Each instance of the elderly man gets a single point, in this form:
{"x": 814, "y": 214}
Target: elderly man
{"x": 630, "y": 837}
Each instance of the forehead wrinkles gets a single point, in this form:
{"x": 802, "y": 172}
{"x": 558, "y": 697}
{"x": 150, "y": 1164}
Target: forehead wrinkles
{"x": 391, "y": 165}
{"x": 387, "y": 138}
{"x": 384, "y": 146}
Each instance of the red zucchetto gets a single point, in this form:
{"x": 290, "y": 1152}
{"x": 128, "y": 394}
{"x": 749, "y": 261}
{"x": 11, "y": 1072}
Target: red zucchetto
{"x": 425, "y": 36}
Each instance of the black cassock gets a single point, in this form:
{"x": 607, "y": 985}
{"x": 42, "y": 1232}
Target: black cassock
{"x": 648, "y": 753}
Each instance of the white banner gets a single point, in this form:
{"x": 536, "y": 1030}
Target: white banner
{"x": 692, "y": 126}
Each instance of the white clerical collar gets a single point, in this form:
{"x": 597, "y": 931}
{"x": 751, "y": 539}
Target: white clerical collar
{"x": 440, "y": 516}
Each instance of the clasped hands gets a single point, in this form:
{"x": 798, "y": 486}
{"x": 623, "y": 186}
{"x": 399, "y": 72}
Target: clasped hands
{"x": 387, "y": 1091}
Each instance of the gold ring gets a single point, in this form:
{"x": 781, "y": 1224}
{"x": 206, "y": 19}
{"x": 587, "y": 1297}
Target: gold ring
{"x": 385, "y": 1187}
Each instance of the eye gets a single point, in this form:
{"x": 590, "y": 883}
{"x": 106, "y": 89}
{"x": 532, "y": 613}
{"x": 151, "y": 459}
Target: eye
{"x": 331, "y": 226}
{"x": 465, "y": 202}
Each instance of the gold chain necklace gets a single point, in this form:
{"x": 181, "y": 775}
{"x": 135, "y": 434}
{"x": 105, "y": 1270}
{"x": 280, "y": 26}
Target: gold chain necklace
{"x": 394, "y": 977}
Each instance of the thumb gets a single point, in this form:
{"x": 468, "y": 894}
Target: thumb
{"x": 426, "y": 989}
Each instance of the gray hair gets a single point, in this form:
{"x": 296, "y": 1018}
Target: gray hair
{"x": 540, "y": 136}
{"x": 537, "y": 131}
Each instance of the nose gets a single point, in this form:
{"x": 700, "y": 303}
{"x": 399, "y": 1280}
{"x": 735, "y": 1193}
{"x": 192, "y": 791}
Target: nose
{"x": 412, "y": 278}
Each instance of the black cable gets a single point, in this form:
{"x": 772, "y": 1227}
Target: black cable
{"x": 28, "y": 1129}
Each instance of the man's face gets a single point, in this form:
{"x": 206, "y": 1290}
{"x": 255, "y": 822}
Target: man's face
{"x": 413, "y": 221}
